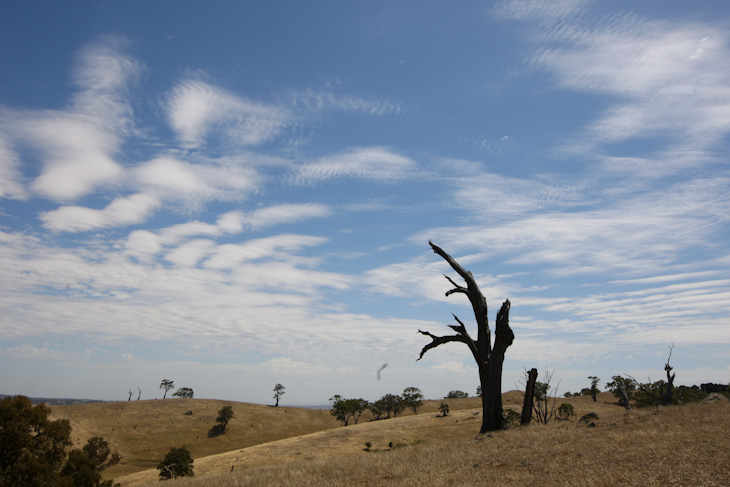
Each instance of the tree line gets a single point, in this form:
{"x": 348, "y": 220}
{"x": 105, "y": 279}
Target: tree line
{"x": 347, "y": 410}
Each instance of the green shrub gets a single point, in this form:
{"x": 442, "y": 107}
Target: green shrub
{"x": 177, "y": 463}
{"x": 566, "y": 411}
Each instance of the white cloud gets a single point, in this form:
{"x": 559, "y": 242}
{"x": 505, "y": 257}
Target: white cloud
{"x": 231, "y": 255}
{"x": 195, "y": 108}
{"x": 376, "y": 163}
{"x": 124, "y": 211}
{"x": 77, "y": 145}
{"x": 669, "y": 80}
{"x": 11, "y": 180}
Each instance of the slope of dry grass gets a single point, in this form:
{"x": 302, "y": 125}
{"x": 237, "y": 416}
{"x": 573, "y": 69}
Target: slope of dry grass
{"x": 144, "y": 431}
{"x": 682, "y": 446}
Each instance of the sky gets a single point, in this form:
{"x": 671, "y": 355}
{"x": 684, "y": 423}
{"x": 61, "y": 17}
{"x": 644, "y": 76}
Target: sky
{"x": 232, "y": 195}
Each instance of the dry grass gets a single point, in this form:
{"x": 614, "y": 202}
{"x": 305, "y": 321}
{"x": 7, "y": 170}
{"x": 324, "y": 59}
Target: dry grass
{"x": 144, "y": 431}
{"x": 686, "y": 445}
{"x": 677, "y": 446}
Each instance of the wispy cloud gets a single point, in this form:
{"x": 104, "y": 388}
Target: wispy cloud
{"x": 77, "y": 145}
{"x": 668, "y": 80}
{"x": 327, "y": 100}
{"x": 195, "y": 108}
{"x": 11, "y": 179}
{"x": 375, "y": 163}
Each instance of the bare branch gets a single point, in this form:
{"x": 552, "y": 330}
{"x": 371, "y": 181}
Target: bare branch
{"x": 466, "y": 275}
{"x": 436, "y": 341}
{"x": 478, "y": 302}
{"x": 457, "y": 288}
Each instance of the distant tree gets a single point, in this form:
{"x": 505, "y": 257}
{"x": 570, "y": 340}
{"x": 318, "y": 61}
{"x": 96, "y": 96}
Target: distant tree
{"x": 667, "y": 393}
{"x": 278, "y": 392}
{"x": 709, "y": 388}
{"x": 444, "y": 408}
{"x": 348, "y": 409}
{"x": 488, "y": 355}
{"x": 622, "y": 388}
{"x": 568, "y": 394}
{"x": 184, "y": 393}
{"x": 130, "y": 395}
{"x": 586, "y": 391}
{"x": 412, "y": 398}
{"x": 32, "y": 447}
{"x": 393, "y": 404}
{"x": 224, "y": 416}
{"x": 177, "y": 463}
{"x": 566, "y": 411}
{"x": 166, "y": 385}
{"x": 139, "y": 393}
{"x": 479, "y": 391}
{"x": 594, "y": 386}
{"x": 456, "y": 395}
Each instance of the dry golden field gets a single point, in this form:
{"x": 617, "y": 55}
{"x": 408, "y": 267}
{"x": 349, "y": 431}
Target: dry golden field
{"x": 679, "y": 446}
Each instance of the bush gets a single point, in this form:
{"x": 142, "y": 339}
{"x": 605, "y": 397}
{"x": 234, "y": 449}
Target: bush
{"x": 177, "y": 463}
{"x": 511, "y": 417}
{"x": 566, "y": 411}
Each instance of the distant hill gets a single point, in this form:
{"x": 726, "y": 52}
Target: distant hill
{"x": 54, "y": 401}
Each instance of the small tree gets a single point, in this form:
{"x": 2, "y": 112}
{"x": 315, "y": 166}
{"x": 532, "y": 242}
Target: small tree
{"x": 346, "y": 409}
{"x": 139, "y": 393}
{"x": 166, "y": 385}
{"x": 130, "y": 395}
{"x": 224, "y": 416}
{"x": 184, "y": 393}
{"x": 566, "y": 411}
{"x": 479, "y": 391}
{"x": 456, "y": 395}
{"x": 594, "y": 386}
{"x": 667, "y": 394}
{"x": 177, "y": 463}
{"x": 278, "y": 392}
{"x": 622, "y": 388}
{"x": 444, "y": 408}
{"x": 412, "y": 398}
{"x": 392, "y": 404}
{"x": 544, "y": 406}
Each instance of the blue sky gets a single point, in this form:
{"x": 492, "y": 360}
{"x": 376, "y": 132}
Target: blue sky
{"x": 239, "y": 194}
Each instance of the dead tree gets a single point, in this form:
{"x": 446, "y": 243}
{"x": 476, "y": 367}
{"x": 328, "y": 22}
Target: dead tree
{"x": 529, "y": 395}
{"x": 489, "y": 357}
{"x": 667, "y": 396}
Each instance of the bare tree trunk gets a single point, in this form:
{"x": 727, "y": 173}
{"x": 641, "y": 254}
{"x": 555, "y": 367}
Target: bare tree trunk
{"x": 624, "y": 396}
{"x": 529, "y": 395}
{"x": 667, "y": 398}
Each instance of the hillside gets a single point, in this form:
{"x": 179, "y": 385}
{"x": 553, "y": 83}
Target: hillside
{"x": 680, "y": 445}
{"x": 144, "y": 431}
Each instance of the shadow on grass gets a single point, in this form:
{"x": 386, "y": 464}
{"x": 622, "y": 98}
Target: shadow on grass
{"x": 216, "y": 430}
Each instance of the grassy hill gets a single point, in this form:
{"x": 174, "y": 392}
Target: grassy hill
{"x": 144, "y": 431}
{"x": 685, "y": 445}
